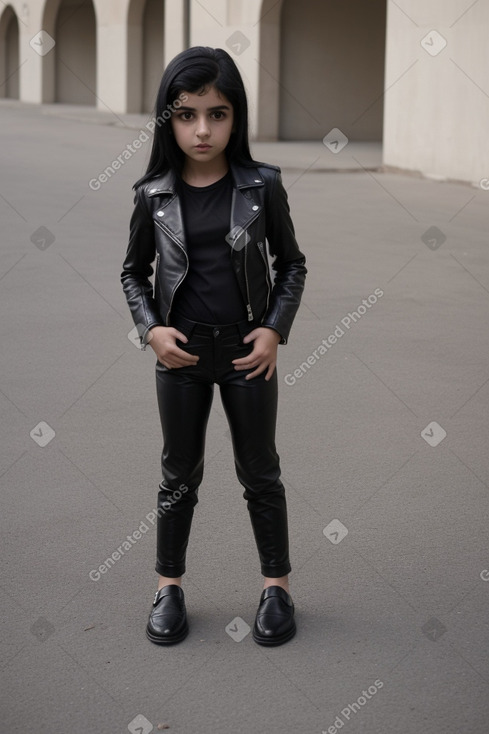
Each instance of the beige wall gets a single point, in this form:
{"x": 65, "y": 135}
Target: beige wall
{"x": 436, "y": 114}
{"x": 221, "y": 24}
{"x": 308, "y": 66}
{"x": 332, "y": 68}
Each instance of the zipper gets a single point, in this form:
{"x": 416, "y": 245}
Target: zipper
{"x": 248, "y": 223}
{"x": 156, "y": 274}
{"x": 248, "y": 305}
{"x": 171, "y": 236}
{"x": 267, "y": 270}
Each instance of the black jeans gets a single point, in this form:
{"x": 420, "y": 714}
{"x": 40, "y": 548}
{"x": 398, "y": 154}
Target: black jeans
{"x": 184, "y": 400}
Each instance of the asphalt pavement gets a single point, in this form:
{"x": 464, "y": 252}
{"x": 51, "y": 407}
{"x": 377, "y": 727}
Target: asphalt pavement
{"x": 383, "y": 437}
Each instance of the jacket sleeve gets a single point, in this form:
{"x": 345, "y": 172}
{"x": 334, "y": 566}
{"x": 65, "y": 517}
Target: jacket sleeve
{"x": 288, "y": 264}
{"x": 137, "y": 269}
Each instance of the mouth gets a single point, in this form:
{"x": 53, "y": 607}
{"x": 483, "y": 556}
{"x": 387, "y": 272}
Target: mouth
{"x": 203, "y": 146}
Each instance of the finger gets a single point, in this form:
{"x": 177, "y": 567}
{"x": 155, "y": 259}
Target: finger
{"x": 248, "y": 365}
{"x": 177, "y": 362}
{"x": 261, "y": 368}
{"x": 251, "y": 360}
{"x": 249, "y": 337}
{"x": 182, "y": 355}
{"x": 243, "y": 363}
{"x": 169, "y": 364}
{"x": 270, "y": 371}
{"x": 172, "y": 360}
{"x": 180, "y": 336}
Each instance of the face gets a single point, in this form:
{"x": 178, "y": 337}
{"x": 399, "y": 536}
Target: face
{"x": 202, "y": 126}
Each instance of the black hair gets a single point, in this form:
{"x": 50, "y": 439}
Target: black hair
{"x": 195, "y": 70}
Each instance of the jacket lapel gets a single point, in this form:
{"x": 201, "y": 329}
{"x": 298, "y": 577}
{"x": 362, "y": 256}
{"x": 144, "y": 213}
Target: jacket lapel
{"x": 169, "y": 212}
{"x": 245, "y": 206}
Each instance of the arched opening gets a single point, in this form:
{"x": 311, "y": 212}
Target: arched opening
{"x": 145, "y": 53}
{"x": 9, "y": 54}
{"x": 269, "y": 70}
{"x": 75, "y": 53}
{"x": 153, "y": 60}
{"x": 69, "y": 68}
{"x": 332, "y": 69}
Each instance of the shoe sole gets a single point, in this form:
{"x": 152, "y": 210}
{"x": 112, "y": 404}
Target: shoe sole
{"x": 272, "y": 642}
{"x": 167, "y": 640}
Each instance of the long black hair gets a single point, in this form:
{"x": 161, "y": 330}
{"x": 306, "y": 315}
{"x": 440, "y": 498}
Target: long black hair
{"x": 195, "y": 70}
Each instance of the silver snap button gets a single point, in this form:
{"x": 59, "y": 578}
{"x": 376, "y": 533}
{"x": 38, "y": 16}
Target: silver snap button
{"x": 257, "y": 180}
{"x": 216, "y": 332}
{"x": 151, "y": 191}
{"x": 255, "y": 207}
{"x": 160, "y": 214}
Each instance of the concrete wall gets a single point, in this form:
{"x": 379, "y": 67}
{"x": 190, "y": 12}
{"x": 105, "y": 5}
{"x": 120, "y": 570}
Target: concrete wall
{"x": 308, "y": 65}
{"x": 436, "y": 113}
{"x": 235, "y": 27}
{"x": 332, "y": 68}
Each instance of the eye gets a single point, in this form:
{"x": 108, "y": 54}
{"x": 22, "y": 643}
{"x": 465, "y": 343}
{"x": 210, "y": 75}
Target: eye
{"x": 185, "y": 116}
{"x": 219, "y": 115}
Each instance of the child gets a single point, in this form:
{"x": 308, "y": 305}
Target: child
{"x": 203, "y": 212}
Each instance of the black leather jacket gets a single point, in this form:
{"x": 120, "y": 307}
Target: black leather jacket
{"x": 259, "y": 213}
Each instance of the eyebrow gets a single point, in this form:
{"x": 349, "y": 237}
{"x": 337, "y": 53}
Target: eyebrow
{"x": 209, "y": 109}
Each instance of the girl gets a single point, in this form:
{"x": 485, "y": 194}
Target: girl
{"x": 203, "y": 212}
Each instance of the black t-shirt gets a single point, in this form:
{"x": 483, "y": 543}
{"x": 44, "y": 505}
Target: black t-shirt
{"x": 210, "y": 292}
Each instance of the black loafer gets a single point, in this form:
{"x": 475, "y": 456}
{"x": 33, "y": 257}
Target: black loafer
{"x": 167, "y": 622}
{"x": 274, "y": 623}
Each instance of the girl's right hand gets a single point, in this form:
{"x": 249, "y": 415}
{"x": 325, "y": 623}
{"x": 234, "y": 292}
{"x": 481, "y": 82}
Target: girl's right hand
{"x": 163, "y": 340}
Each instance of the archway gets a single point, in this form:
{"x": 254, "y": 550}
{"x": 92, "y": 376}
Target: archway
{"x": 9, "y": 54}
{"x": 332, "y": 68}
{"x": 69, "y": 68}
{"x": 145, "y": 53}
{"x": 75, "y": 53}
{"x": 269, "y": 70}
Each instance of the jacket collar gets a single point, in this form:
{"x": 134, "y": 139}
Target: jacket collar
{"x": 244, "y": 208}
{"x": 243, "y": 178}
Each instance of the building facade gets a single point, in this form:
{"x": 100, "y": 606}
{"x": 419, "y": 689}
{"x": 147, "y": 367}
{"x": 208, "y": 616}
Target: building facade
{"x": 413, "y": 74}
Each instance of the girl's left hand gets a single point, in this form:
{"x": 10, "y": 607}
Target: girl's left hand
{"x": 264, "y": 354}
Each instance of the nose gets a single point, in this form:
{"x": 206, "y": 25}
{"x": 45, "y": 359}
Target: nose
{"x": 203, "y": 127}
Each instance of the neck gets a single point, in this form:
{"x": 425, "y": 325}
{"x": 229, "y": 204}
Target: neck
{"x": 204, "y": 174}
